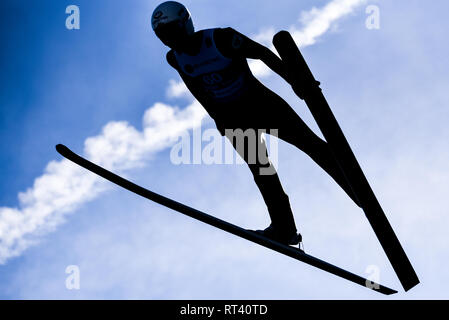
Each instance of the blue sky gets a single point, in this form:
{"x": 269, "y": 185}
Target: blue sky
{"x": 104, "y": 91}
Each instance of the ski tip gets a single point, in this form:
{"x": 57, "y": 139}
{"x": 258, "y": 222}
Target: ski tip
{"x": 281, "y": 36}
{"x": 61, "y": 149}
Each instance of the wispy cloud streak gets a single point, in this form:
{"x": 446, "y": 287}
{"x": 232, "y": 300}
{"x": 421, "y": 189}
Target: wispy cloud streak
{"x": 64, "y": 186}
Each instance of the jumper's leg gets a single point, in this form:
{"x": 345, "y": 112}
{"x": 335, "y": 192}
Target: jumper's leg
{"x": 251, "y": 147}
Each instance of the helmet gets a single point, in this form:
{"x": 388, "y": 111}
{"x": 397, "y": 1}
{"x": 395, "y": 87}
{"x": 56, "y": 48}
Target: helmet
{"x": 171, "y": 20}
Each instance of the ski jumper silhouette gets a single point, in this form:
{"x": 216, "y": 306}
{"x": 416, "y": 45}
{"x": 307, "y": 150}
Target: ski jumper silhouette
{"x": 213, "y": 65}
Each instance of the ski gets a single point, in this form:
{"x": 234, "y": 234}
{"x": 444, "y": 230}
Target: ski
{"x": 249, "y": 235}
{"x": 307, "y": 88}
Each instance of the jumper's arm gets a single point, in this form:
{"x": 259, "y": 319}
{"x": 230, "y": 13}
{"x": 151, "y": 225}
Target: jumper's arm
{"x": 234, "y": 44}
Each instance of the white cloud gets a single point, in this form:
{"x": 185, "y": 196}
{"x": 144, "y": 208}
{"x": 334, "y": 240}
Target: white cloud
{"x": 318, "y": 21}
{"x": 177, "y": 89}
{"x": 64, "y": 186}
{"x": 315, "y": 23}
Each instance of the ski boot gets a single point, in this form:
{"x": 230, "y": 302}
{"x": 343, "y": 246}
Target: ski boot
{"x": 290, "y": 238}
